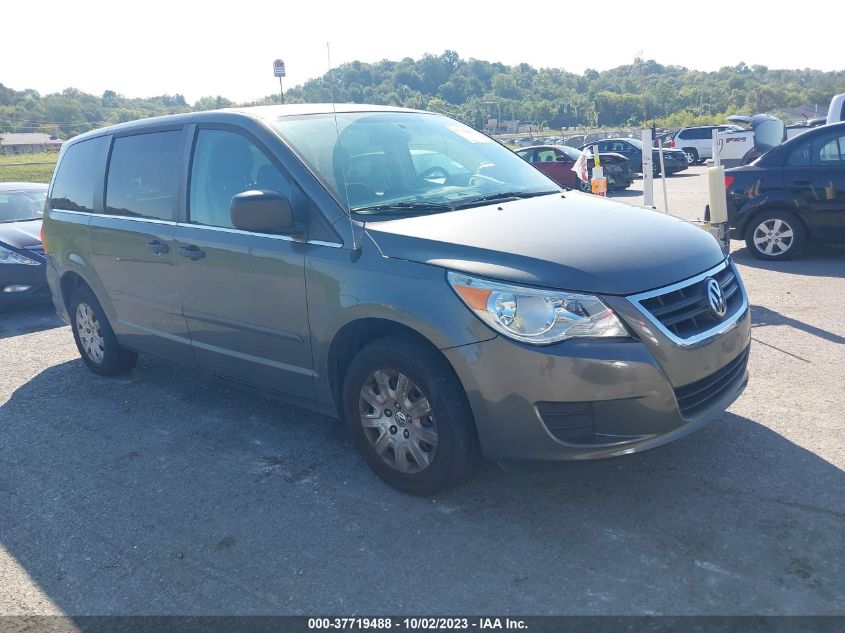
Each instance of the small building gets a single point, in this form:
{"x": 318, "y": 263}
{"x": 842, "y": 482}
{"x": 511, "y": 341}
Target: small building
{"x": 28, "y": 143}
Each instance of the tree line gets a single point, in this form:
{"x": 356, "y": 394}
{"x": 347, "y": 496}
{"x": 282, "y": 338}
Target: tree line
{"x": 474, "y": 91}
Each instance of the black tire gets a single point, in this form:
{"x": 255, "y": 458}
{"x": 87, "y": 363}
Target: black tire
{"x": 456, "y": 448}
{"x": 111, "y": 358}
{"x": 769, "y": 225}
{"x": 692, "y": 155}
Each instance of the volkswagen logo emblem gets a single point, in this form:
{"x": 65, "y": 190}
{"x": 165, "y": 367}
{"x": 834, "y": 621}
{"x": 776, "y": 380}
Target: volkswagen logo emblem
{"x": 716, "y": 298}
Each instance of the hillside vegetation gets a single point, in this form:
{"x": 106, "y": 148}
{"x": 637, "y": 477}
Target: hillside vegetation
{"x": 475, "y": 90}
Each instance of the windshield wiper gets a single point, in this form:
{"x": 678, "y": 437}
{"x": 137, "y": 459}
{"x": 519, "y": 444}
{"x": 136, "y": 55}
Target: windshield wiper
{"x": 501, "y": 196}
{"x": 404, "y": 206}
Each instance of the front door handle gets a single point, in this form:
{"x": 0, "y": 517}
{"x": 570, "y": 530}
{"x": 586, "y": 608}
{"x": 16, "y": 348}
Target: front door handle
{"x": 191, "y": 252}
{"x": 158, "y": 247}
{"x": 801, "y": 181}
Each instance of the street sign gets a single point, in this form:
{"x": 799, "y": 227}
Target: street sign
{"x": 278, "y": 68}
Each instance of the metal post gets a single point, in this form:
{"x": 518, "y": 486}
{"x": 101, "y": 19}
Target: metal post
{"x": 648, "y": 171}
{"x": 281, "y": 91}
{"x": 663, "y": 176}
{"x": 716, "y": 158}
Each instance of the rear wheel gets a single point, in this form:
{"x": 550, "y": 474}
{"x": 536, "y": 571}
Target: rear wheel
{"x": 94, "y": 336}
{"x": 775, "y": 235}
{"x": 692, "y": 155}
{"x": 408, "y": 416}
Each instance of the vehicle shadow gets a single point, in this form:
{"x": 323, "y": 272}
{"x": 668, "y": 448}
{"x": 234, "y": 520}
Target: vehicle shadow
{"x": 817, "y": 260}
{"x": 28, "y": 318}
{"x": 762, "y": 316}
{"x": 165, "y": 492}
{"x": 624, "y": 193}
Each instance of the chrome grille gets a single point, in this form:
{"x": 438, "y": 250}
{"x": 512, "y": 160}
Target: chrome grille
{"x": 682, "y": 311}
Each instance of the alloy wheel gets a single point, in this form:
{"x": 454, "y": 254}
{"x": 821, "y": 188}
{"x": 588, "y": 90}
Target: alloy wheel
{"x": 773, "y": 237}
{"x": 88, "y": 329}
{"x": 398, "y": 421}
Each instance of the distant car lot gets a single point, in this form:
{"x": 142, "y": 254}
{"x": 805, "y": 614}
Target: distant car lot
{"x": 167, "y": 492}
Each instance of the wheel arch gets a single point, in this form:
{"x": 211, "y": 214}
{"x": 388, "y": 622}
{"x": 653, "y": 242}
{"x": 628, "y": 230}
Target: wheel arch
{"x": 354, "y": 336}
{"x": 69, "y": 282}
{"x": 749, "y": 217}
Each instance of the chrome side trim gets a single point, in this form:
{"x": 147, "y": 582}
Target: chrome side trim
{"x": 71, "y": 212}
{"x": 226, "y": 229}
{"x": 701, "y": 337}
{"x": 322, "y": 243}
{"x": 131, "y": 218}
{"x": 223, "y": 229}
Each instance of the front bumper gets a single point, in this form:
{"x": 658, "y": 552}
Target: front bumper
{"x": 592, "y": 398}
{"x": 33, "y": 277}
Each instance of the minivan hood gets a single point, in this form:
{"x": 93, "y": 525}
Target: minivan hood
{"x": 20, "y": 234}
{"x": 572, "y": 242}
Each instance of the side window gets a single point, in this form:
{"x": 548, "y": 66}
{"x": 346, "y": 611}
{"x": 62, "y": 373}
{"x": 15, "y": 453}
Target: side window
{"x": 800, "y": 156}
{"x": 81, "y": 170}
{"x": 143, "y": 179}
{"x": 525, "y": 155}
{"x": 546, "y": 156}
{"x": 224, "y": 165}
{"x": 828, "y": 151}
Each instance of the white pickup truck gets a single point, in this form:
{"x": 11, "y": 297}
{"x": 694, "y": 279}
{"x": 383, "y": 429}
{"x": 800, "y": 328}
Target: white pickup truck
{"x": 836, "y": 112}
{"x": 764, "y": 133}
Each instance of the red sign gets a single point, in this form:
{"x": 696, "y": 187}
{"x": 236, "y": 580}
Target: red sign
{"x": 279, "y": 68}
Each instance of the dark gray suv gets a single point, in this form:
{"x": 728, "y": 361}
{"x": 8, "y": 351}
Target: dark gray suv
{"x": 401, "y": 271}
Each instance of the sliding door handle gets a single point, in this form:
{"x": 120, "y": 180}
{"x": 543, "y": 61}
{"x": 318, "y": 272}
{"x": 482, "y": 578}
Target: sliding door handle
{"x": 191, "y": 252}
{"x": 158, "y": 247}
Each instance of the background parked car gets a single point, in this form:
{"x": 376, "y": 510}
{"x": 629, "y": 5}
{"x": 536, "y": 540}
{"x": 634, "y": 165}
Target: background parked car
{"x": 22, "y": 270}
{"x": 632, "y": 149}
{"x": 697, "y": 142}
{"x": 792, "y": 194}
{"x": 556, "y": 162}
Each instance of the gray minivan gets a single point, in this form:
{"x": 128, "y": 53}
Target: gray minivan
{"x": 398, "y": 270}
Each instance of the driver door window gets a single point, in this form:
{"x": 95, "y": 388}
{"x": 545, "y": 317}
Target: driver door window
{"x": 224, "y": 165}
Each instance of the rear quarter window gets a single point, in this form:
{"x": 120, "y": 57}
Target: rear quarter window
{"x": 79, "y": 174}
{"x": 143, "y": 177}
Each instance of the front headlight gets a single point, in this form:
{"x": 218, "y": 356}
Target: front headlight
{"x": 12, "y": 257}
{"x": 534, "y": 315}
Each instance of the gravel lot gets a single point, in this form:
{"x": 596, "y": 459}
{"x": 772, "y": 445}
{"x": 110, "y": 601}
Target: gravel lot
{"x": 168, "y": 492}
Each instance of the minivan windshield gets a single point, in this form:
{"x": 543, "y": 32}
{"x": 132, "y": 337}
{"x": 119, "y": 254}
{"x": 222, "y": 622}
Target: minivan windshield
{"x": 17, "y": 206}
{"x": 408, "y": 162}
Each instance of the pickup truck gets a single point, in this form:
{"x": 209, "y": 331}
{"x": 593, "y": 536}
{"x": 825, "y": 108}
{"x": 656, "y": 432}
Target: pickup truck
{"x": 836, "y": 112}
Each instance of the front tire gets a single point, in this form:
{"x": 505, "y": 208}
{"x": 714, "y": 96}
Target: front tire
{"x": 95, "y": 338}
{"x": 775, "y": 235}
{"x": 408, "y": 416}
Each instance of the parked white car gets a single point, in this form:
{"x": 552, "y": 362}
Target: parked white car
{"x": 697, "y": 142}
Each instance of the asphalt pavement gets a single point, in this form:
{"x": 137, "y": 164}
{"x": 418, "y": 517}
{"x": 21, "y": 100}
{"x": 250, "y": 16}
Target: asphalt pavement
{"x": 166, "y": 491}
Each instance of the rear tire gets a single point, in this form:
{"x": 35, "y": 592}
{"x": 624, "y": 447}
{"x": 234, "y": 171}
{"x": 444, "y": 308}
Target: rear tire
{"x": 775, "y": 235}
{"x": 408, "y": 416}
{"x": 692, "y": 155}
{"x": 94, "y": 336}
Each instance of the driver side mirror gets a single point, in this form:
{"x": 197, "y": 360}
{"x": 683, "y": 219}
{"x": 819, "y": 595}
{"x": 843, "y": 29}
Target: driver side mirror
{"x": 262, "y": 211}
